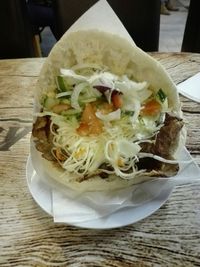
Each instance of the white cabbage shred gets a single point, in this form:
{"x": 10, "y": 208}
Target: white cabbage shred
{"x": 123, "y": 129}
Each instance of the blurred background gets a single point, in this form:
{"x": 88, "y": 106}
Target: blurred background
{"x": 171, "y": 30}
{"x": 30, "y": 28}
{"x": 172, "y": 27}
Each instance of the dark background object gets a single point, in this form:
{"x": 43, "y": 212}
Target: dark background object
{"x": 41, "y": 15}
{"x": 15, "y": 30}
{"x": 140, "y": 17}
{"x": 191, "y": 38}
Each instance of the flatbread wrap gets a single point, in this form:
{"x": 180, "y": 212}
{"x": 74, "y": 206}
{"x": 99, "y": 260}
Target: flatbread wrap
{"x": 107, "y": 114}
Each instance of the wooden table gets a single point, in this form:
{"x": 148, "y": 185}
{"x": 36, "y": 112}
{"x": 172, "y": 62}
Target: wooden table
{"x": 28, "y": 236}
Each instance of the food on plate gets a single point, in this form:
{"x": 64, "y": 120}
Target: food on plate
{"x": 107, "y": 114}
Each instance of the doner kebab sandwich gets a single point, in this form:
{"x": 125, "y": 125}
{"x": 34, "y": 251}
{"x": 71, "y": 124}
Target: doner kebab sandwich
{"x": 108, "y": 115}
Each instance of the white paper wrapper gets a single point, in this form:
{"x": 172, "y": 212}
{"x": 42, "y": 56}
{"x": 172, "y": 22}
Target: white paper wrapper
{"x": 190, "y": 88}
{"x": 72, "y": 207}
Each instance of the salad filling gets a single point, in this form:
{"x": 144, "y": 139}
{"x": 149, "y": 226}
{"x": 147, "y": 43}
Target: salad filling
{"x": 95, "y": 122}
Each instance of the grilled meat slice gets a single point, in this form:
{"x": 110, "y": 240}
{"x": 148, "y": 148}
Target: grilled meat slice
{"x": 166, "y": 139}
{"x": 157, "y": 168}
{"x": 107, "y": 167}
{"x": 45, "y": 149}
{"x": 164, "y": 145}
{"x": 38, "y": 130}
{"x": 44, "y": 137}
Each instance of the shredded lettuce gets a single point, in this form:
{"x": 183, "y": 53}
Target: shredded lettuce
{"x": 123, "y": 127}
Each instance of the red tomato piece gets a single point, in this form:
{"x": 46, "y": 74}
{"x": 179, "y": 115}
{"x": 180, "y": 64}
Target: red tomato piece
{"x": 90, "y": 124}
{"x": 117, "y": 100}
{"x": 151, "y": 108}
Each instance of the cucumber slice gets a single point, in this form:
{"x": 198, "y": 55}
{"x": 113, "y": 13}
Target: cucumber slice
{"x": 161, "y": 95}
{"x": 50, "y": 102}
{"x": 61, "y": 83}
{"x": 70, "y": 112}
{"x": 87, "y": 100}
{"x": 64, "y": 83}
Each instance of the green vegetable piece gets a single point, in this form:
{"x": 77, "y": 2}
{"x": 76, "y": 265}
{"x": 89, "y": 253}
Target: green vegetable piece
{"x": 50, "y": 102}
{"x": 161, "y": 95}
{"x": 70, "y": 112}
{"x": 65, "y": 100}
{"x": 128, "y": 112}
{"x": 61, "y": 83}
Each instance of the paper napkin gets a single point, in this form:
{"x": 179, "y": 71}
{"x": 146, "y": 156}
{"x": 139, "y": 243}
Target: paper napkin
{"x": 93, "y": 205}
{"x": 190, "y": 88}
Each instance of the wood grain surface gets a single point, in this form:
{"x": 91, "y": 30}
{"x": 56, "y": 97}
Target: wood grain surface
{"x": 28, "y": 236}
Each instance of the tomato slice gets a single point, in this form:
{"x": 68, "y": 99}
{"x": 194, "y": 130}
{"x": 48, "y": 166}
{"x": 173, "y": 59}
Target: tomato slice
{"x": 117, "y": 100}
{"x": 83, "y": 129}
{"x": 151, "y": 108}
{"x": 90, "y": 124}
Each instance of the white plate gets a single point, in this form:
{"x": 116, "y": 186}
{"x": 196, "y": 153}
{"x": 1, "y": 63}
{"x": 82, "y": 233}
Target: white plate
{"x": 41, "y": 193}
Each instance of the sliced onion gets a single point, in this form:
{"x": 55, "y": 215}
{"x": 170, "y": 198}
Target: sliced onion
{"x": 105, "y": 90}
{"x": 75, "y": 95}
{"x": 63, "y": 94}
{"x": 108, "y": 95}
{"x": 136, "y": 112}
{"x": 112, "y": 116}
{"x": 94, "y": 92}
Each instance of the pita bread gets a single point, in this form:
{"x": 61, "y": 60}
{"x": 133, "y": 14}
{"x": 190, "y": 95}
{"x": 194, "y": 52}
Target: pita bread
{"x": 121, "y": 57}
